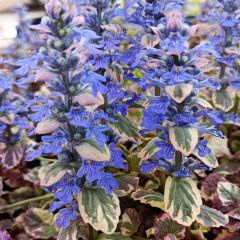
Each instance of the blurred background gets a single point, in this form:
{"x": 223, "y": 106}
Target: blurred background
{"x": 9, "y": 17}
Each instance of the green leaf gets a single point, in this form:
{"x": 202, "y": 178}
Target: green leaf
{"x": 184, "y": 139}
{"x": 91, "y": 151}
{"x": 223, "y": 99}
{"x": 69, "y": 233}
{"x": 127, "y": 184}
{"x": 209, "y": 159}
{"x": 130, "y": 222}
{"x": 99, "y": 209}
{"x": 210, "y": 217}
{"x": 38, "y": 223}
{"x": 201, "y": 102}
{"x": 52, "y": 173}
{"x": 179, "y": 92}
{"x": 228, "y": 192}
{"x": 219, "y": 146}
{"x": 148, "y": 150}
{"x": 155, "y": 199}
{"x": 114, "y": 236}
{"x": 164, "y": 226}
{"x": 124, "y": 128}
{"x": 182, "y": 200}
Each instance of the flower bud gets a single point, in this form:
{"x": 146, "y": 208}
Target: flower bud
{"x": 53, "y": 8}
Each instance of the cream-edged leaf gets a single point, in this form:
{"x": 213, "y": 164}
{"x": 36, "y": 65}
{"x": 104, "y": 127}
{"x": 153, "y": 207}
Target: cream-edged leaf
{"x": 47, "y": 126}
{"x": 228, "y": 192}
{"x": 91, "y": 151}
{"x": 130, "y": 222}
{"x": 149, "y": 149}
{"x": 124, "y": 128}
{"x": 201, "y": 102}
{"x": 182, "y": 200}
{"x": 99, "y": 209}
{"x": 223, "y": 99}
{"x": 127, "y": 184}
{"x": 114, "y": 236}
{"x": 52, "y": 173}
{"x": 179, "y": 92}
{"x": 209, "y": 159}
{"x": 184, "y": 139}
{"x": 210, "y": 217}
{"x": 219, "y": 146}
{"x": 154, "y": 199}
{"x": 69, "y": 233}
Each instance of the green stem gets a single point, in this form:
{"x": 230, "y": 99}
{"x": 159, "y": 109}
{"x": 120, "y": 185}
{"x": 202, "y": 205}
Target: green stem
{"x": 178, "y": 160}
{"x": 45, "y": 159}
{"x": 24, "y": 202}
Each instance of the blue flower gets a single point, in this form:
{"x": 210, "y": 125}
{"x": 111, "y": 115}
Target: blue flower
{"x": 53, "y": 144}
{"x": 166, "y": 150}
{"x": 65, "y": 215}
{"x": 202, "y": 148}
{"x": 66, "y": 188}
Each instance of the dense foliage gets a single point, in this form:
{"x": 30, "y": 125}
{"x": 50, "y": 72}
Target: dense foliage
{"x": 120, "y": 120}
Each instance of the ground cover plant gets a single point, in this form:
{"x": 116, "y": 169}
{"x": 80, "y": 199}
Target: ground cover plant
{"x": 119, "y": 120}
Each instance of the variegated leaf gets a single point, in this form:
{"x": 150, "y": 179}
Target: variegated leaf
{"x": 235, "y": 213}
{"x": 179, "y": 92}
{"x": 12, "y": 155}
{"x": 184, "y": 139}
{"x": 115, "y": 71}
{"x": 38, "y": 223}
{"x": 115, "y": 28}
{"x": 149, "y": 149}
{"x": 210, "y": 217}
{"x": 182, "y": 200}
{"x": 150, "y": 41}
{"x": 133, "y": 29}
{"x": 69, "y": 233}
{"x": 127, "y": 184}
{"x": 228, "y": 192}
{"x": 223, "y": 99}
{"x": 155, "y": 199}
{"x": 164, "y": 227}
{"x": 209, "y": 159}
{"x": 218, "y": 146}
{"x": 114, "y": 236}
{"x": 124, "y": 128}
{"x": 130, "y": 222}
{"x": 99, "y": 209}
{"x": 52, "y": 173}
{"x": 91, "y": 151}
{"x": 201, "y": 102}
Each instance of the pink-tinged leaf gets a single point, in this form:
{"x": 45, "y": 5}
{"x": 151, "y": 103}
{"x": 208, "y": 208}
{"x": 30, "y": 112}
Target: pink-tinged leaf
{"x": 89, "y": 101}
{"x": 53, "y": 8}
{"x": 41, "y": 28}
{"x": 7, "y": 119}
{"x": 165, "y": 228}
{"x": 47, "y": 126}
{"x": 209, "y": 184}
{"x": 4, "y": 235}
{"x": 43, "y": 75}
{"x": 38, "y": 223}
{"x": 130, "y": 222}
{"x": 174, "y": 20}
{"x": 11, "y": 156}
{"x": 78, "y": 21}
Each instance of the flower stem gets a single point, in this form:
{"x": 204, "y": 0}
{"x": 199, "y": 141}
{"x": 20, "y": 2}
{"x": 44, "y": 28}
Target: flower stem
{"x": 24, "y": 202}
{"x": 178, "y": 160}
